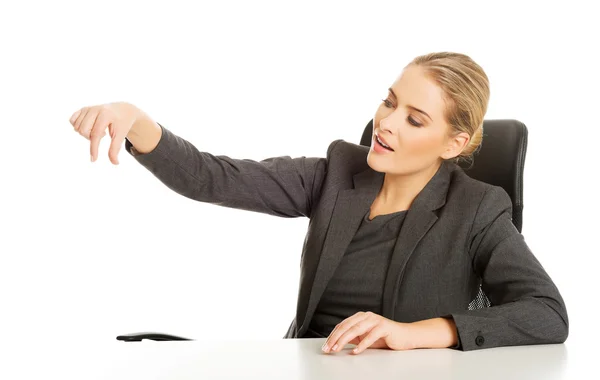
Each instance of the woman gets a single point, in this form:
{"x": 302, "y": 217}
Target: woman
{"x": 400, "y": 239}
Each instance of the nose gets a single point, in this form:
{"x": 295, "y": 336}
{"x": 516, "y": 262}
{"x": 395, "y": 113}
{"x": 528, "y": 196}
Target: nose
{"x": 385, "y": 124}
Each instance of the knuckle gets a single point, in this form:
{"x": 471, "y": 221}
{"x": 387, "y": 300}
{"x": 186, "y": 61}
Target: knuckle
{"x": 378, "y": 331}
{"x": 106, "y": 109}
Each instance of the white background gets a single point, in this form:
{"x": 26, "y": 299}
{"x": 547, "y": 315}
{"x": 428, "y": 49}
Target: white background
{"x": 89, "y": 251}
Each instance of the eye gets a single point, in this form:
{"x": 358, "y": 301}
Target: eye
{"x": 414, "y": 122}
{"x": 387, "y": 103}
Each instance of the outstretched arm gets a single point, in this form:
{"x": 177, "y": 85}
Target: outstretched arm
{"x": 279, "y": 186}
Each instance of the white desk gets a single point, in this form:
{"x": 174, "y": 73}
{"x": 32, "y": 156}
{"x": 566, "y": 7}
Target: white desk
{"x": 290, "y": 359}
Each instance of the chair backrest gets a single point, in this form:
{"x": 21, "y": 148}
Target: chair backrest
{"x": 499, "y": 160}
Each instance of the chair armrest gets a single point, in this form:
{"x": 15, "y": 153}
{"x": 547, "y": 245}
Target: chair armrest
{"x": 137, "y": 337}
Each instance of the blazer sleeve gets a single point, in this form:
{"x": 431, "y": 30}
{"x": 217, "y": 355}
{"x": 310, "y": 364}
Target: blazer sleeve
{"x": 279, "y": 186}
{"x": 527, "y": 307}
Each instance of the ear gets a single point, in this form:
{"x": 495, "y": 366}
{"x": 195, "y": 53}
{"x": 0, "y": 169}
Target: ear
{"x": 455, "y": 145}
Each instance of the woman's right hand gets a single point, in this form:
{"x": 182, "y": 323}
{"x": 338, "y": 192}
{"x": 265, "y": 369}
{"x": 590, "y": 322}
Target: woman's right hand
{"x": 91, "y": 122}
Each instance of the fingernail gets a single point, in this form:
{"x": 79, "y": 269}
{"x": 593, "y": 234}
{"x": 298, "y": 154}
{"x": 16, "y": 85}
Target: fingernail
{"x": 91, "y": 158}
{"x": 325, "y": 348}
{"x": 355, "y": 350}
{"x": 335, "y": 346}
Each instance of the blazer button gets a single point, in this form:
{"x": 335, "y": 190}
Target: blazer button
{"x": 479, "y": 340}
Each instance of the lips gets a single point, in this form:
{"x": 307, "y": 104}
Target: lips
{"x": 383, "y": 140}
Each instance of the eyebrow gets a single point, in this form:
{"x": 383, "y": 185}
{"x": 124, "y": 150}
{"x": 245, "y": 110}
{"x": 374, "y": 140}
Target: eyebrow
{"x": 409, "y": 106}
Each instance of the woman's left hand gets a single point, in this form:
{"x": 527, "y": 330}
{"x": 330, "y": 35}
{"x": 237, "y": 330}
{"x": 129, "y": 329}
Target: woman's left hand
{"x": 367, "y": 329}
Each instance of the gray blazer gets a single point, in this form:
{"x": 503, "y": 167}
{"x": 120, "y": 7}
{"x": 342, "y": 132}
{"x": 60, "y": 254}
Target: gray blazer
{"x": 457, "y": 235}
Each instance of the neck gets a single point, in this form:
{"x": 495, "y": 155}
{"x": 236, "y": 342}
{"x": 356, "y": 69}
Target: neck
{"x": 400, "y": 190}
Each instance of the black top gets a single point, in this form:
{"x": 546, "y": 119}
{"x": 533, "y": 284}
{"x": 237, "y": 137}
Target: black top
{"x": 357, "y": 284}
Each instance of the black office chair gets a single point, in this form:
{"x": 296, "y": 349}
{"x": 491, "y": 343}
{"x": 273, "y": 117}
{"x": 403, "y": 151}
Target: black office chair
{"x": 499, "y": 161}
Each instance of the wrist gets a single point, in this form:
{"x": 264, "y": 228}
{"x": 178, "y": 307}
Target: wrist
{"x": 140, "y": 123}
{"x": 144, "y": 134}
{"x": 434, "y": 333}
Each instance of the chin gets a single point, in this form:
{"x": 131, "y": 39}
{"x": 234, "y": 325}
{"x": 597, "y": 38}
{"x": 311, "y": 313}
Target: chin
{"x": 375, "y": 162}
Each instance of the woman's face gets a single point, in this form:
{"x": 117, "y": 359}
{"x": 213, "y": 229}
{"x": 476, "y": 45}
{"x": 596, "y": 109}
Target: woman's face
{"x": 411, "y": 121}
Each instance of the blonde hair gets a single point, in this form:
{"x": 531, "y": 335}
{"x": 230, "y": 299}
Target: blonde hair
{"x": 466, "y": 89}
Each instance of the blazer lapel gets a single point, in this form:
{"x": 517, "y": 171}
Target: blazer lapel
{"x": 350, "y": 207}
{"x": 419, "y": 219}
